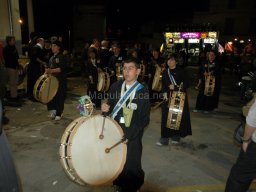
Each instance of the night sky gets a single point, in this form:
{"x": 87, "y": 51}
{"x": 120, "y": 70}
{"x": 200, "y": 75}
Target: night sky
{"x": 54, "y": 16}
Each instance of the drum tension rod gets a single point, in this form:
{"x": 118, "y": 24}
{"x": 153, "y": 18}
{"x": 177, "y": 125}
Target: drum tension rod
{"x": 107, "y": 150}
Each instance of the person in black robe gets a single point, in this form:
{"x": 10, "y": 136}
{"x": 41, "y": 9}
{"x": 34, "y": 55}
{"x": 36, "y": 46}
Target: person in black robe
{"x": 57, "y": 67}
{"x": 9, "y": 180}
{"x": 115, "y": 61}
{"x": 174, "y": 77}
{"x": 93, "y": 66}
{"x": 204, "y": 102}
{"x": 35, "y": 66}
{"x": 132, "y": 176}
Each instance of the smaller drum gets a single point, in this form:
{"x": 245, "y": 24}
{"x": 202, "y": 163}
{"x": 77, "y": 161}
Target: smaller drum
{"x": 22, "y": 72}
{"x": 209, "y": 85}
{"x": 119, "y": 72}
{"x": 142, "y": 71}
{"x": 22, "y": 69}
{"x": 176, "y": 105}
{"x": 103, "y": 81}
{"x": 45, "y": 88}
{"x": 91, "y": 152}
{"x": 157, "y": 81}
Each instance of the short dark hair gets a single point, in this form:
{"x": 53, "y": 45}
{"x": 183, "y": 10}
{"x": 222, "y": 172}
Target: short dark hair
{"x": 172, "y": 56}
{"x": 132, "y": 60}
{"x": 59, "y": 44}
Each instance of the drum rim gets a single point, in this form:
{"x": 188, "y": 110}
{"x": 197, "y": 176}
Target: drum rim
{"x": 65, "y": 162}
{"x": 106, "y": 83}
{"x": 181, "y": 107}
{"x": 80, "y": 121}
{"x": 206, "y": 87}
{"x": 156, "y": 84}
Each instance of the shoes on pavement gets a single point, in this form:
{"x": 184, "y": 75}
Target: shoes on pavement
{"x": 57, "y": 118}
{"x": 52, "y": 114}
{"x": 175, "y": 139}
{"x": 196, "y": 110}
{"x": 162, "y": 142}
{"x": 175, "y": 142}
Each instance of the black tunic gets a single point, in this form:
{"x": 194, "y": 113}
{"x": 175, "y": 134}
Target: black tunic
{"x": 92, "y": 84}
{"x": 132, "y": 176}
{"x": 34, "y": 68}
{"x": 185, "y": 125}
{"x": 57, "y": 103}
{"x": 208, "y": 103}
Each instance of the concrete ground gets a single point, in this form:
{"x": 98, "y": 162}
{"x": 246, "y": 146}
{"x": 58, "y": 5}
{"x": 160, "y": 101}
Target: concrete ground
{"x": 201, "y": 162}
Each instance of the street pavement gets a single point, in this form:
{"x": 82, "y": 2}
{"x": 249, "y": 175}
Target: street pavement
{"x": 201, "y": 162}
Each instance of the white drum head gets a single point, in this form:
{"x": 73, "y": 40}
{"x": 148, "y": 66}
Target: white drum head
{"x": 91, "y": 163}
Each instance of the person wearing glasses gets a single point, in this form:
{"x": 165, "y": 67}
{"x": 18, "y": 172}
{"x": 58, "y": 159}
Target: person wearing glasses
{"x": 128, "y": 103}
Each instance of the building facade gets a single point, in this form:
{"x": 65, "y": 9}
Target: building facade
{"x": 236, "y": 19}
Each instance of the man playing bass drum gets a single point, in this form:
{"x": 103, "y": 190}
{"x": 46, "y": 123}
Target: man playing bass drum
{"x": 128, "y": 103}
{"x": 173, "y": 78}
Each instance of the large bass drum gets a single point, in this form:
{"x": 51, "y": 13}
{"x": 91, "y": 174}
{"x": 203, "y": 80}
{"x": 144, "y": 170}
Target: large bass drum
{"x": 103, "y": 81}
{"x": 91, "y": 152}
{"x": 157, "y": 81}
{"x": 176, "y": 105}
{"x": 45, "y": 88}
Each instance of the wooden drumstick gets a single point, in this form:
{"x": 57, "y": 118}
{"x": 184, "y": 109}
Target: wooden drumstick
{"x": 107, "y": 150}
{"x": 103, "y": 124}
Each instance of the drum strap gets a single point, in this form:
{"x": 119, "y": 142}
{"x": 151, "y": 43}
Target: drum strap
{"x": 171, "y": 78}
{"x": 135, "y": 87}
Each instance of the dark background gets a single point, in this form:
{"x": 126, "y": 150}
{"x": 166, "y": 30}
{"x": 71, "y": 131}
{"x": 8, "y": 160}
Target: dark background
{"x": 55, "y": 16}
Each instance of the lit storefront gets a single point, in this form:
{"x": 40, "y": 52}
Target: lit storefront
{"x": 190, "y": 44}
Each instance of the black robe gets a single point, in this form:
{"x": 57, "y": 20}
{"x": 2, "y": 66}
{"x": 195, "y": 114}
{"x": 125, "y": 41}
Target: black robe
{"x": 208, "y": 103}
{"x": 93, "y": 82}
{"x": 34, "y": 70}
{"x": 57, "y": 103}
{"x": 132, "y": 176}
{"x": 185, "y": 125}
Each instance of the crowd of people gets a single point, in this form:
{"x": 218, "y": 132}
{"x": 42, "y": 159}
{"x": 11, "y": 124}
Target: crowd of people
{"x": 139, "y": 79}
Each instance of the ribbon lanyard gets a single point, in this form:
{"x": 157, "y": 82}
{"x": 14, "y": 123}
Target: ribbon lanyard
{"x": 171, "y": 78}
{"x": 135, "y": 87}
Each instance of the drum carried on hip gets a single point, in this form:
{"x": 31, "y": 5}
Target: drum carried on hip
{"x": 45, "y": 88}
{"x": 92, "y": 151}
{"x": 209, "y": 85}
{"x": 119, "y": 71}
{"x": 176, "y": 105}
{"x": 142, "y": 71}
{"x": 157, "y": 81}
{"x": 103, "y": 81}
